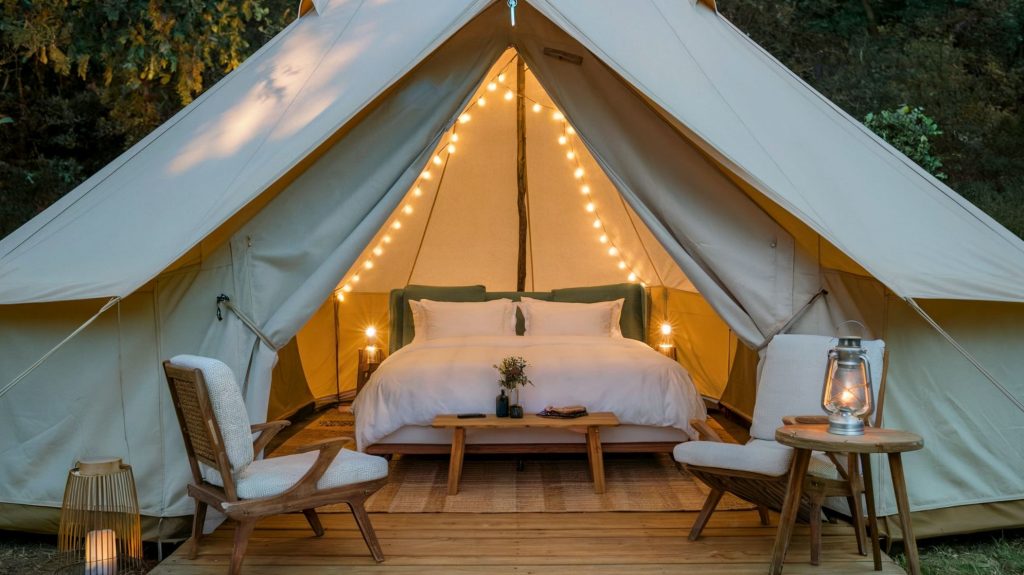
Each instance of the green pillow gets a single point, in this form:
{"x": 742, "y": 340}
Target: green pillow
{"x": 634, "y": 309}
{"x": 435, "y": 293}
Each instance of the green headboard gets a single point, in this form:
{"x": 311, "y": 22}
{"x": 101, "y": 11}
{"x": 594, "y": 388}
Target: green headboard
{"x": 634, "y": 308}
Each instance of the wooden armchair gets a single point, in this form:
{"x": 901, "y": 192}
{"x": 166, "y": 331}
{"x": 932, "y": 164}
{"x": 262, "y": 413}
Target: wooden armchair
{"x": 226, "y": 475}
{"x": 757, "y": 472}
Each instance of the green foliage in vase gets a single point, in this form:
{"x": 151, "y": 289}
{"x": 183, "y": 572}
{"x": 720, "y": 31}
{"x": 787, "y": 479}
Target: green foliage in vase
{"x": 512, "y": 373}
{"x": 910, "y": 131}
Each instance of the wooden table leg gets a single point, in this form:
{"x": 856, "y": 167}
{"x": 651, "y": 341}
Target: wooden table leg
{"x": 856, "y": 483}
{"x": 869, "y": 498}
{"x": 455, "y": 464}
{"x": 596, "y": 457}
{"x": 794, "y": 492}
{"x": 899, "y": 486}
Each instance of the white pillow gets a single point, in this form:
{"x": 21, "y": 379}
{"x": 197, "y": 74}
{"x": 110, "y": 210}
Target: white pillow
{"x": 443, "y": 319}
{"x": 599, "y": 319}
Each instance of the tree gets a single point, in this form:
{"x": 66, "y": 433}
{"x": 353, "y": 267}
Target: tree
{"x": 910, "y": 131}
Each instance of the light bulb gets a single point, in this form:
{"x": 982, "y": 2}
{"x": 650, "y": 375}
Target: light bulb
{"x": 562, "y": 140}
{"x": 557, "y": 116}
{"x": 355, "y": 279}
{"x": 426, "y": 175}
{"x": 622, "y": 265}
{"x": 501, "y": 77}
{"x": 397, "y": 225}
{"x": 368, "y": 264}
{"x": 666, "y": 328}
{"x": 508, "y": 94}
{"x": 437, "y": 160}
{"x": 613, "y": 251}
{"x": 536, "y": 107}
{"x": 570, "y": 155}
{"x": 481, "y": 101}
{"x": 464, "y": 118}
{"x": 341, "y": 296}
{"x": 578, "y": 173}
{"x": 378, "y": 251}
{"x": 454, "y": 138}
{"x": 585, "y": 190}
{"x": 643, "y": 284}
{"x": 570, "y": 130}
{"x": 387, "y": 239}
{"x": 346, "y": 288}
{"x": 597, "y": 224}
{"x": 631, "y": 277}
{"x": 590, "y": 206}
{"x": 603, "y": 239}
{"x": 371, "y": 332}
{"x": 407, "y": 210}
{"x": 492, "y": 87}
{"x": 417, "y": 191}
{"x": 451, "y": 148}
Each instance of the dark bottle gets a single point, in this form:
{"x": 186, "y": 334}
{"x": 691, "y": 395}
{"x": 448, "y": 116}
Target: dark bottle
{"x": 501, "y": 405}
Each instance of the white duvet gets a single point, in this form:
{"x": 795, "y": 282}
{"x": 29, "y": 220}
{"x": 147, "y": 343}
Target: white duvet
{"x": 624, "y": 376}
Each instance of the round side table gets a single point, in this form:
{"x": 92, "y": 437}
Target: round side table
{"x": 815, "y": 437}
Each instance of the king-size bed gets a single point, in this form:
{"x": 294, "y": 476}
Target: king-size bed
{"x": 571, "y": 362}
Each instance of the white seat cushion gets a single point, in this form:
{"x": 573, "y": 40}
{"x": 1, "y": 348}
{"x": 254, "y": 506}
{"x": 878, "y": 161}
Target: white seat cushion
{"x": 275, "y": 475}
{"x": 228, "y": 407}
{"x": 757, "y": 456}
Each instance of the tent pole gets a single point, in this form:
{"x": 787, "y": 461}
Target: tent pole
{"x": 521, "y": 171}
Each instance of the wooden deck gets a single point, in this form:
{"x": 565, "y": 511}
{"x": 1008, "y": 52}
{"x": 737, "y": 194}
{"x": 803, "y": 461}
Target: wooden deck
{"x": 525, "y": 543}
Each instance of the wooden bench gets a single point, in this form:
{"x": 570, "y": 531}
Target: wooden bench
{"x": 591, "y": 422}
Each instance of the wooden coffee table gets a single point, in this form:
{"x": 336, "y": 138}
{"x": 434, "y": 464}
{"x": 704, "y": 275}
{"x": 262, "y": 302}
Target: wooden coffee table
{"x": 592, "y": 422}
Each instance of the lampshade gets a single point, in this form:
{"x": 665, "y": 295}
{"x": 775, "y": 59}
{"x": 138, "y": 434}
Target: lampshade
{"x": 100, "y": 528}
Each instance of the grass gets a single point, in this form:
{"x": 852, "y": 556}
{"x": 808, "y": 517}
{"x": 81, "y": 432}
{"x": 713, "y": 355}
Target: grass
{"x": 1000, "y": 553}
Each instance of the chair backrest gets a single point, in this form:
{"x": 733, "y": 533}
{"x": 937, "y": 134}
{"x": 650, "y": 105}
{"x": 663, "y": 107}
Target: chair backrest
{"x": 791, "y": 376}
{"x": 212, "y": 416}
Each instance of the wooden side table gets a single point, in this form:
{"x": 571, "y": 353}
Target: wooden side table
{"x": 815, "y": 437}
{"x": 592, "y": 422}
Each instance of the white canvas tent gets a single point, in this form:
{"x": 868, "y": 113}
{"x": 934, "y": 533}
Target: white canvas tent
{"x": 271, "y": 185}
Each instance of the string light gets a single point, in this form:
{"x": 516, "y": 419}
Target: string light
{"x": 501, "y": 78}
{"x": 355, "y": 279}
{"x": 509, "y": 95}
{"x": 562, "y": 140}
{"x": 437, "y": 161}
{"x": 451, "y": 148}
{"x": 463, "y": 118}
{"x": 536, "y": 107}
{"x": 591, "y": 207}
{"x": 578, "y": 174}
{"x": 417, "y": 191}
{"x": 492, "y": 87}
{"x": 481, "y": 101}
{"x": 378, "y": 251}
{"x": 570, "y": 155}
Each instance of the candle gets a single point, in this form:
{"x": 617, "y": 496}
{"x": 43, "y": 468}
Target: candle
{"x": 846, "y": 398}
{"x": 100, "y": 552}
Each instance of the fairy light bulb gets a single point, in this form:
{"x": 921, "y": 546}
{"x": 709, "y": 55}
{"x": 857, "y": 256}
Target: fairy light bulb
{"x": 557, "y": 116}
{"x": 451, "y": 148}
{"x": 355, "y": 279}
{"x": 562, "y": 140}
{"x": 397, "y": 225}
{"x": 340, "y": 296}
{"x": 346, "y": 288}
{"x": 492, "y": 87}
{"x": 454, "y": 138}
{"x": 590, "y": 206}
{"x": 570, "y": 130}
{"x": 508, "y": 95}
{"x": 501, "y": 78}
{"x": 585, "y": 190}
{"x": 597, "y": 224}
{"x": 417, "y": 191}
{"x": 368, "y": 264}
{"x": 426, "y": 175}
{"x": 570, "y": 155}
{"x": 536, "y": 107}
{"x": 578, "y": 173}
{"x": 631, "y": 277}
{"x": 437, "y": 160}
{"x": 481, "y": 101}
{"x": 622, "y": 265}
{"x": 603, "y": 239}
{"x": 613, "y": 251}
{"x": 387, "y": 239}
{"x": 463, "y": 118}
{"x": 407, "y": 210}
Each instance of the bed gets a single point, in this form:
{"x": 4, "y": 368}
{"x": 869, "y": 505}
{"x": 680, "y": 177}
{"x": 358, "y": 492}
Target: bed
{"x": 652, "y": 395}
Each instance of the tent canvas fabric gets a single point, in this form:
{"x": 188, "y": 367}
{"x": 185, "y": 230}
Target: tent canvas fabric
{"x": 271, "y": 185}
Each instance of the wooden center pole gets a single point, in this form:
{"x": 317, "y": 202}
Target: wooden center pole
{"x": 524, "y": 220}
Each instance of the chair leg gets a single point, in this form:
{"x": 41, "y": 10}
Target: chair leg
{"x": 242, "y": 532}
{"x": 366, "y": 528}
{"x": 762, "y": 512}
{"x": 705, "y": 513}
{"x": 816, "y": 501}
{"x": 198, "y": 520}
{"x": 314, "y": 521}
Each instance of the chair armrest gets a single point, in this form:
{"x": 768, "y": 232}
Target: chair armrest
{"x": 705, "y": 431}
{"x": 328, "y": 450}
{"x": 804, "y": 419}
{"x": 266, "y": 431}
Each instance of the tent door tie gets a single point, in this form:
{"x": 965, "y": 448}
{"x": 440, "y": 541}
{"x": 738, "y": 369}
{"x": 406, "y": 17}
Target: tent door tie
{"x": 224, "y": 300}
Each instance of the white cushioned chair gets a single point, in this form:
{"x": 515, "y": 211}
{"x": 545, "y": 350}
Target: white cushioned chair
{"x": 226, "y": 474}
{"x": 790, "y": 384}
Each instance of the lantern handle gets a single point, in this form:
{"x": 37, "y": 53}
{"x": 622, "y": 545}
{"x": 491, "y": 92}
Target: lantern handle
{"x": 863, "y": 328}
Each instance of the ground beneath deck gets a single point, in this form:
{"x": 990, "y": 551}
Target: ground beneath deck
{"x": 522, "y": 543}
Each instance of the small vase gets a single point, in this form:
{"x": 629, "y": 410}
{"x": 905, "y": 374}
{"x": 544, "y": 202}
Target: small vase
{"x": 501, "y": 405}
{"x": 515, "y": 411}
